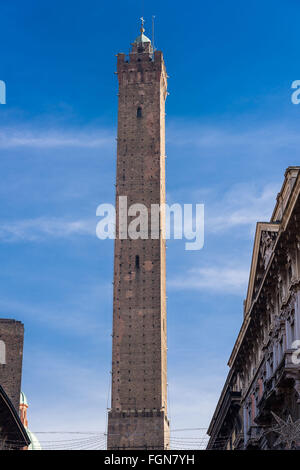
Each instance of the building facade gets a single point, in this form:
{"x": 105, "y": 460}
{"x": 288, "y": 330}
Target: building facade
{"x": 138, "y": 415}
{"x": 262, "y": 389}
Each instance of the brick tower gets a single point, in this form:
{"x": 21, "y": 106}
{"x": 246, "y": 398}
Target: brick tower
{"x": 11, "y": 357}
{"x": 138, "y": 415}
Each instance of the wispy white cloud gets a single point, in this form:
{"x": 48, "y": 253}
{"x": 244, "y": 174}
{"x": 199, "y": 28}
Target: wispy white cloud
{"x": 41, "y": 228}
{"x": 224, "y": 279}
{"x": 267, "y": 138}
{"x": 242, "y": 206}
{"x": 234, "y": 211}
{"x": 236, "y": 143}
{"x": 14, "y": 137}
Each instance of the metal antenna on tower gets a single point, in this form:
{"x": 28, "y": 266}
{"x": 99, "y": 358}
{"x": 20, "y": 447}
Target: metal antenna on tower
{"x": 153, "y": 32}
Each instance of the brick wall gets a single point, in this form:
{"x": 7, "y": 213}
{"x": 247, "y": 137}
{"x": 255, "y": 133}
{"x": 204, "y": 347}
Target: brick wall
{"x": 12, "y": 336}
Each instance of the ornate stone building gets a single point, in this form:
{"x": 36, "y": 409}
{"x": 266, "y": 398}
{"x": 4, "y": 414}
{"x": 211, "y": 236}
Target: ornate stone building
{"x": 138, "y": 415}
{"x": 263, "y": 383}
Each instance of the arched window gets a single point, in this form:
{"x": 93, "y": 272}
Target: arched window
{"x": 2, "y": 352}
{"x": 139, "y": 112}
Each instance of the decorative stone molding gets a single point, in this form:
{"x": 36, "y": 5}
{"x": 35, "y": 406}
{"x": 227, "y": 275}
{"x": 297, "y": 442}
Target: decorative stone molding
{"x": 297, "y": 388}
{"x": 267, "y": 245}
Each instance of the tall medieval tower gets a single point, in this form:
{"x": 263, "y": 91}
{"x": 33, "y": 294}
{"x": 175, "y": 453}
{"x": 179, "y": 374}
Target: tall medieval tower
{"x": 138, "y": 415}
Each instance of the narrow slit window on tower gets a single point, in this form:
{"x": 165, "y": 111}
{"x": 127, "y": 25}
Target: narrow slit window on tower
{"x": 139, "y": 112}
{"x": 137, "y": 262}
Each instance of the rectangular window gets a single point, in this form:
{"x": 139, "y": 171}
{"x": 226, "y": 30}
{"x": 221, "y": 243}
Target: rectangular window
{"x": 137, "y": 262}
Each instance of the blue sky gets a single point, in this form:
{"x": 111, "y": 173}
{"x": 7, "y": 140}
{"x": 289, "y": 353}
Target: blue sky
{"x": 231, "y": 133}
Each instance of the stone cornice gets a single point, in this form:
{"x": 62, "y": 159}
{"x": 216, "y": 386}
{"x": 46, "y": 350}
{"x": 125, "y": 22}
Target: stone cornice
{"x": 291, "y": 171}
{"x": 250, "y": 306}
{"x": 214, "y": 419}
{"x": 260, "y": 227}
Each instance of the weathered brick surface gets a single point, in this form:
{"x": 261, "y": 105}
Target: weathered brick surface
{"x": 12, "y": 334}
{"x": 138, "y": 416}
